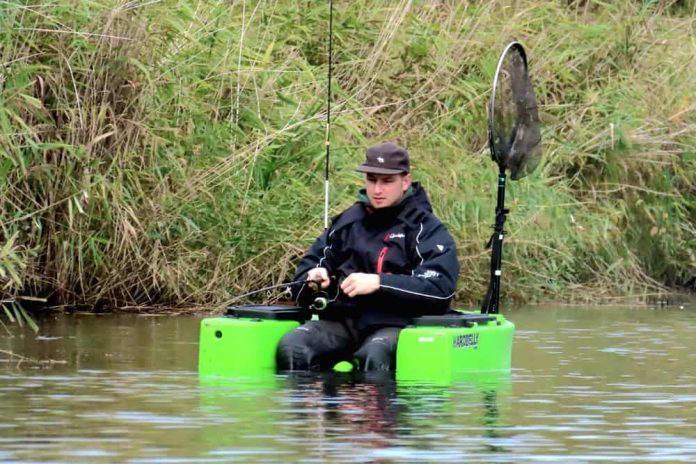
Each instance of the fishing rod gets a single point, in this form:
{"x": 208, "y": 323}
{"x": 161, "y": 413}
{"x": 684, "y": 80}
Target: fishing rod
{"x": 327, "y": 141}
{"x": 320, "y": 301}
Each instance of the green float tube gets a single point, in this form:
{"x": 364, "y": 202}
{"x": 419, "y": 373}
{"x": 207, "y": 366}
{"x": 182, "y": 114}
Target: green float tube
{"x": 436, "y": 348}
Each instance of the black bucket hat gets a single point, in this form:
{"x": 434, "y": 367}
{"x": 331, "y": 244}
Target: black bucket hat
{"x": 385, "y": 158}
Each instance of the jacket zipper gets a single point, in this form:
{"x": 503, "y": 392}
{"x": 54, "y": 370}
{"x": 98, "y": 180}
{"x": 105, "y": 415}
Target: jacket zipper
{"x": 380, "y": 259}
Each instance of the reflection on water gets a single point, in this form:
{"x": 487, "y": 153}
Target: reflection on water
{"x": 348, "y": 417}
{"x": 610, "y": 385}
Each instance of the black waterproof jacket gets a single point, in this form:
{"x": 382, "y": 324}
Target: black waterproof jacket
{"x": 408, "y": 247}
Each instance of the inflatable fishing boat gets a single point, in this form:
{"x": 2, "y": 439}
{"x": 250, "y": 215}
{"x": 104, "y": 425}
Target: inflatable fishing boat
{"x": 433, "y": 348}
{"x": 244, "y": 342}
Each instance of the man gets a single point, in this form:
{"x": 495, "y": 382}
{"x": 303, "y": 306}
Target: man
{"x": 383, "y": 261}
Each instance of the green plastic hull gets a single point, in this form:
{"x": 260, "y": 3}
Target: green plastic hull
{"x": 442, "y": 354}
{"x": 231, "y": 346}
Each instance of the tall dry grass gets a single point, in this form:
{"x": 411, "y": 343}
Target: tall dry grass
{"x": 171, "y": 153}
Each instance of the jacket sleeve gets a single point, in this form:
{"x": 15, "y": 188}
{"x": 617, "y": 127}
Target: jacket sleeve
{"x": 321, "y": 254}
{"x": 433, "y": 281}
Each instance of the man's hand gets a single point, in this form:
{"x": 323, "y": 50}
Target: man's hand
{"x": 319, "y": 274}
{"x": 359, "y": 283}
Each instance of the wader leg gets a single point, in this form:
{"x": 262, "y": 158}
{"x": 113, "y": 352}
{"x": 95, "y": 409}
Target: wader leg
{"x": 316, "y": 346}
{"x": 378, "y": 351}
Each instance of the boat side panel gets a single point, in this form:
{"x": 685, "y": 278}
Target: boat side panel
{"x": 234, "y": 346}
{"x": 439, "y": 353}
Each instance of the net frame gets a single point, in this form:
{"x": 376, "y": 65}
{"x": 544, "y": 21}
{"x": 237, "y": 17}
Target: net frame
{"x": 514, "y": 144}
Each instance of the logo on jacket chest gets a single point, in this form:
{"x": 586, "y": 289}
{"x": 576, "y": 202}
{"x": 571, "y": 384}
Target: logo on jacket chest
{"x": 394, "y": 235}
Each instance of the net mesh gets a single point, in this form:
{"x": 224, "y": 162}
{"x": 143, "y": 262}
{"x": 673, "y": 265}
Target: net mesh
{"x": 515, "y": 137}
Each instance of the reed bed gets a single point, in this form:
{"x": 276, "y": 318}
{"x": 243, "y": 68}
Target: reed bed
{"x": 170, "y": 153}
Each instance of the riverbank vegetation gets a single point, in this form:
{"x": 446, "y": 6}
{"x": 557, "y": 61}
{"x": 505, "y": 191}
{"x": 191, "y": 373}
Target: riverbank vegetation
{"x": 171, "y": 153}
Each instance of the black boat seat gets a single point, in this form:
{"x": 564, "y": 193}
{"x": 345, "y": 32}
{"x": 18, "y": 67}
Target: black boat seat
{"x": 454, "y": 320}
{"x": 269, "y": 312}
{"x": 294, "y": 313}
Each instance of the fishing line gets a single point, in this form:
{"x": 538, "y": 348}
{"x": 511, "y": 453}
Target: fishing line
{"x": 319, "y": 302}
{"x": 270, "y": 287}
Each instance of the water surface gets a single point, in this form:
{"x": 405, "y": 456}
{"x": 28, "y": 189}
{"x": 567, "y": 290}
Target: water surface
{"x": 587, "y": 385}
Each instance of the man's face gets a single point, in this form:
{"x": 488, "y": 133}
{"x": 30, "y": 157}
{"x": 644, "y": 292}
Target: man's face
{"x": 386, "y": 190}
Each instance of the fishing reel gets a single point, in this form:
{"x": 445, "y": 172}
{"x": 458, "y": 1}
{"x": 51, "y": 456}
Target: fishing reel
{"x": 320, "y": 299}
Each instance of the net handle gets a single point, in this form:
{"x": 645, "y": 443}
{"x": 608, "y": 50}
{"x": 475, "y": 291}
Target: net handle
{"x": 491, "y": 106}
